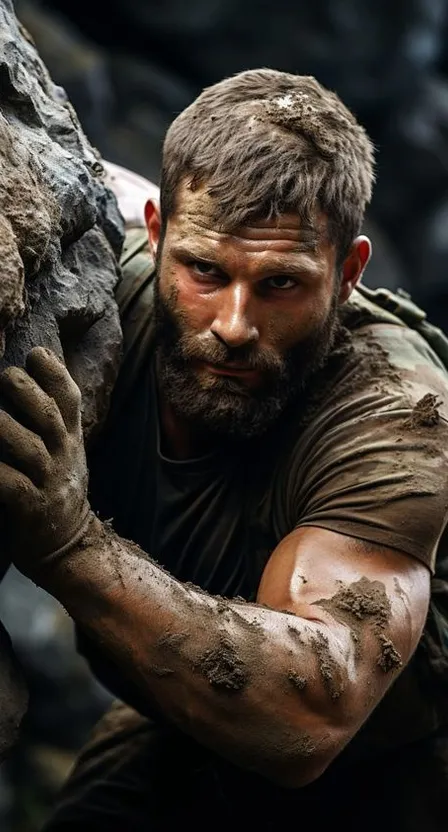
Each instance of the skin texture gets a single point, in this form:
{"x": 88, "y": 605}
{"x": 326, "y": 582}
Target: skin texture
{"x": 280, "y": 686}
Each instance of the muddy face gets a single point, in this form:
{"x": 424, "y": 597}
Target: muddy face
{"x": 244, "y": 318}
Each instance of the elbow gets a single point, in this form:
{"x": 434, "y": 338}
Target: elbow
{"x": 298, "y": 767}
{"x": 297, "y": 774}
{"x": 304, "y": 756}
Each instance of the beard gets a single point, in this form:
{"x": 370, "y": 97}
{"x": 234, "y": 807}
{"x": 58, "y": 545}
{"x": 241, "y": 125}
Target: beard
{"x": 220, "y": 404}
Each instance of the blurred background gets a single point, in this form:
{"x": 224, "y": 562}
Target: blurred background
{"x": 129, "y": 67}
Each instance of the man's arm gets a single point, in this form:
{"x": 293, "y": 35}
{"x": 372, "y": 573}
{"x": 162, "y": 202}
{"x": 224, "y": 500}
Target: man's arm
{"x": 278, "y": 687}
{"x": 275, "y": 692}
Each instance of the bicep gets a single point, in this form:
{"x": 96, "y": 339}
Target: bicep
{"x": 370, "y": 600}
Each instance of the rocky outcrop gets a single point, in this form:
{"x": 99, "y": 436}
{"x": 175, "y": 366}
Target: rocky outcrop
{"x": 60, "y": 235}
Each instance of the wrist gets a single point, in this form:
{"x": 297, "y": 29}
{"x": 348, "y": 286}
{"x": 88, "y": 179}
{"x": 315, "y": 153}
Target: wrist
{"x": 61, "y": 561}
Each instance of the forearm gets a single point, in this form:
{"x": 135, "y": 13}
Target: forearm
{"x": 242, "y": 679}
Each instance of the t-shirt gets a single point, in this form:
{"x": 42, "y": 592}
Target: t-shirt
{"x": 364, "y": 452}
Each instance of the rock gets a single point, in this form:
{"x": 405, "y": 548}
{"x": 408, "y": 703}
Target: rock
{"x": 60, "y": 227}
{"x": 13, "y": 694}
{"x": 60, "y": 235}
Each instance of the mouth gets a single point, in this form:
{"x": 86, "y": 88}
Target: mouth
{"x": 232, "y": 371}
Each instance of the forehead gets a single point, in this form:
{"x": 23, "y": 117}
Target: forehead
{"x": 196, "y": 216}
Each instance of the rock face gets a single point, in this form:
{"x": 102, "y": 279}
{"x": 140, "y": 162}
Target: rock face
{"x": 60, "y": 235}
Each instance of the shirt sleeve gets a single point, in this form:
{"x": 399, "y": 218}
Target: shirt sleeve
{"x": 376, "y": 468}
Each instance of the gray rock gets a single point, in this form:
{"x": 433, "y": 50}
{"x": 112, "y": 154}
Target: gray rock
{"x": 60, "y": 235}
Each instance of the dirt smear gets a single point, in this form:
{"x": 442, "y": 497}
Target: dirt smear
{"x": 161, "y": 671}
{"x": 328, "y": 667}
{"x": 389, "y": 658}
{"x": 425, "y": 413}
{"x": 298, "y": 681}
{"x": 223, "y": 667}
{"x": 296, "y": 634}
{"x": 360, "y": 604}
{"x": 171, "y": 641}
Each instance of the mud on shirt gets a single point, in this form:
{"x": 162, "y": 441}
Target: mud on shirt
{"x": 364, "y": 452}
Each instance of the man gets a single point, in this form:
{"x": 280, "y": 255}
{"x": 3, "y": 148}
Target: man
{"x": 279, "y": 444}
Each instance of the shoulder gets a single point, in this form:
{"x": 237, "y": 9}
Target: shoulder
{"x": 367, "y": 455}
{"x": 134, "y": 293}
{"x": 379, "y": 364}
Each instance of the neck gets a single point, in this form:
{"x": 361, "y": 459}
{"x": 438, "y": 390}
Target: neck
{"x": 179, "y": 439}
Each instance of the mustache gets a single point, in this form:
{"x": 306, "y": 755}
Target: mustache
{"x": 193, "y": 348}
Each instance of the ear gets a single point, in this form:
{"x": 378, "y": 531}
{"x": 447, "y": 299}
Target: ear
{"x": 354, "y": 265}
{"x": 153, "y": 224}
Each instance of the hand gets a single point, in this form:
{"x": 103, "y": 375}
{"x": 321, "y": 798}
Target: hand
{"x": 43, "y": 471}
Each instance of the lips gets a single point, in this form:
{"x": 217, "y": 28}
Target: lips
{"x": 231, "y": 370}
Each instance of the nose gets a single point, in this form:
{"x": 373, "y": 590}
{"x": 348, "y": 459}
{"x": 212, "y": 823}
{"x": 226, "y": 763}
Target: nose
{"x": 232, "y": 324}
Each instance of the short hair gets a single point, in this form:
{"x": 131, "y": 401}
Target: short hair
{"x": 265, "y": 143}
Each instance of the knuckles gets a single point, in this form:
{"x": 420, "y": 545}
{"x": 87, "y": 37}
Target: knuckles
{"x": 14, "y": 376}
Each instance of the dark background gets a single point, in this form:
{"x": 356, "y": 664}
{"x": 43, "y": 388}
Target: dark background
{"x": 129, "y": 66}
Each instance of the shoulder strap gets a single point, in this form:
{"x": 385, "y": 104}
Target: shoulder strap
{"x": 134, "y": 296}
{"x": 400, "y": 305}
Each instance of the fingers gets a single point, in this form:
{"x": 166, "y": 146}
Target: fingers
{"x": 23, "y": 450}
{"x": 54, "y": 378}
{"x": 17, "y": 492}
{"x": 34, "y": 408}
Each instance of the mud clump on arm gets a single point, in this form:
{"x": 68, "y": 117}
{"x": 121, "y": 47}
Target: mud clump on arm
{"x": 389, "y": 658}
{"x": 365, "y": 603}
{"x": 328, "y": 667}
{"x": 172, "y": 641}
{"x": 298, "y": 681}
{"x": 223, "y": 667}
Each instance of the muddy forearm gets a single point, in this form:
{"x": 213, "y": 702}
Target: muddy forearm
{"x": 244, "y": 680}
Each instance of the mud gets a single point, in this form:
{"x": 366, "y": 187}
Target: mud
{"x": 161, "y": 672}
{"x": 425, "y": 413}
{"x": 389, "y": 658}
{"x": 223, "y": 668}
{"x": 361, "y": 600}
{"x": 298, "y": 681}
{"x": 378, "y": 366}
{"x": 172, "y": 641}
{"x": 357, "y": 361}
{"x": 328, "y": 668}
{"x": 296, "y": 634}
{"x": 365, "y": 603}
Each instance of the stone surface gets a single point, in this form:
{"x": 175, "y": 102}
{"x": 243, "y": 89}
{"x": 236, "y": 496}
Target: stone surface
{"x": 13, "y": 694}
{"x": 60, "y": 235}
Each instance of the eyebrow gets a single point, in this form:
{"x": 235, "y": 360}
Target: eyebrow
{"x": 275, "y": 263}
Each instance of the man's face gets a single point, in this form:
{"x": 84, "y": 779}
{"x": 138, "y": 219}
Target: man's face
{"x": 243, "y": 318}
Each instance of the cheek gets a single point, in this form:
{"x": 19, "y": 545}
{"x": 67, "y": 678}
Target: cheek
{"x": 183, "y": 297}
{"x": 298, "y": 321}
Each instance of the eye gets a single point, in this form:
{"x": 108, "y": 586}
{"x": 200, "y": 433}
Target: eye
{"x": 200, "y": 267}
{"x": 281, "y": 282}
